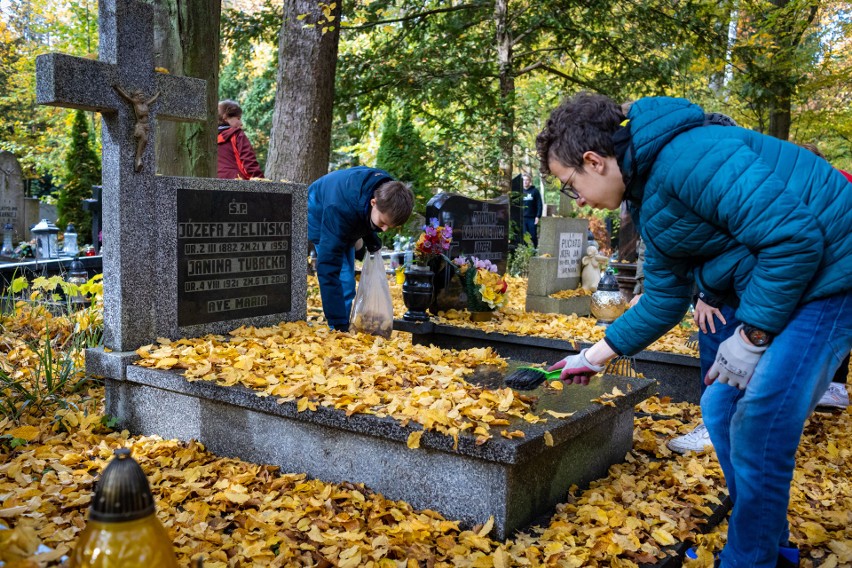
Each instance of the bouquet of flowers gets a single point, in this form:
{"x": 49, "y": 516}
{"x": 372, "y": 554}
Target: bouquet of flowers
{"x": 434, "y": 242}
{"x": 485, "y": 289}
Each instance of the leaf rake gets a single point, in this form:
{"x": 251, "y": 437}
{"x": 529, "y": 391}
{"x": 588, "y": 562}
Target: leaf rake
{"x": 623, "y": 366}
{"x": 692, "y": 341}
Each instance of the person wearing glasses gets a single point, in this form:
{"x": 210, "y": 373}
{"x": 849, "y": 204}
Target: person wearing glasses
{"x": 698, "y": 191}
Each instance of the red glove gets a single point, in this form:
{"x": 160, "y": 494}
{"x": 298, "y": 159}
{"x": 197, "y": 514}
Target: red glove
{"x": 576, "y": 369}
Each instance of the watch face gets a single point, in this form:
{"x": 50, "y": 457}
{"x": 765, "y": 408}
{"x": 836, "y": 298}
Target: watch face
{"x": 758, "y": 337}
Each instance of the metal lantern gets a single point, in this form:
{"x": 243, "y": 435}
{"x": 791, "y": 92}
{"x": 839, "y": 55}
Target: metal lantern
{"x": 45, "y": 234}
{"x": 77, "y": 275}
{"x": 69, "y": 241}
{"x": 8, "y": 249}
{"x": 607, "y": 302}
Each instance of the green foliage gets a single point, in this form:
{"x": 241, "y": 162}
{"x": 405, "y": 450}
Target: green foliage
{"x": 37, "y": 134}
{"x": 405, "y": 156}
{"x": 55, "y": 377}
{"x": 519, "y": 259}
{"x": 82, "y": 171}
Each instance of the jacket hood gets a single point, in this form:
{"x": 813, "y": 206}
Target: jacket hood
{"x": 652, "y": 123}
{"x": 225, "y": 133}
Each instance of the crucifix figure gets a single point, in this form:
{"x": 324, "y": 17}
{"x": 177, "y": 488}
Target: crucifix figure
{"x": 143, "y": 126}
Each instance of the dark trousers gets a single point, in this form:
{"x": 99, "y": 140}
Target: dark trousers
{"x": 531, "y": 229}
{"x": 840, "y": 376}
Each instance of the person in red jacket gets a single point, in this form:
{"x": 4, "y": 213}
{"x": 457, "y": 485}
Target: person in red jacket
{"x": 236, "y": 156}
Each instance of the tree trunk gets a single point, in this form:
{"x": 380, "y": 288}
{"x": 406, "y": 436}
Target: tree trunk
{"x": 790, "y": 27}
{"x": 186, "y": 42}
{"x": 300, "y": 141}
{"x": 506, "y": 137}
{"x": 780, "y": 113}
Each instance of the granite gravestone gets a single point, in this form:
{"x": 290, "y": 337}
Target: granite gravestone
{"x": 561, "y": 246}
{"x": 480, "y": 229}
{"x": 16, "y": 208}
{"x": 183, "y": 256}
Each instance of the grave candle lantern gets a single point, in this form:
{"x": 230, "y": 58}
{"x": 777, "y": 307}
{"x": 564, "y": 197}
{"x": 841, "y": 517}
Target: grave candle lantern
{"x": 77, "y": 275}
{"x": 7, "y": 250}
{"x": 123, "y": 529}
{"x": 45, "y": 234}
{"x": 607, "y": 302}
{"x": 69, "y": 241}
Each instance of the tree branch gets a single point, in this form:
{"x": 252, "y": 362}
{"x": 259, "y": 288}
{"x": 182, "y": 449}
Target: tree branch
{"x": 474, "y": 6}
{"x": 557, "y": 72}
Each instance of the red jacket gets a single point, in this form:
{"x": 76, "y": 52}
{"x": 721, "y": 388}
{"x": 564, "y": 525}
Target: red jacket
{"x": 236, "y": 156}
{"x": 847, "y": 175}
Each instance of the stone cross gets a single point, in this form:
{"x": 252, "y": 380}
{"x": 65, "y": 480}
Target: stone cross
{"x": 126, "y": 62}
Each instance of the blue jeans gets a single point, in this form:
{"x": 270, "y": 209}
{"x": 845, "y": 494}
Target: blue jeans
{"x": 708, "y": 343}
{"x": 347, "y": 278}
{"x": 756, "y": 431}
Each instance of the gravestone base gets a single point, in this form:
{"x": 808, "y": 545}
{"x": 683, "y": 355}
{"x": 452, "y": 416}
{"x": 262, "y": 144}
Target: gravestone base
{"x": 581, "y": 305}
{"x": 515, "y": 481}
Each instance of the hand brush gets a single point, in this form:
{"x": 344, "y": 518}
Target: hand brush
{"x": 528, "y": 378}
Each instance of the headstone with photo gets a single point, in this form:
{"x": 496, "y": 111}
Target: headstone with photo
{"x": 480, "y": 229}
{"x": 16, "y": 208}
{"x": 561, "y": 246}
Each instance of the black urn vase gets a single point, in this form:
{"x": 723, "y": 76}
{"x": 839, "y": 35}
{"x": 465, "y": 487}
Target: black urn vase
{"x": 417, "y": 292}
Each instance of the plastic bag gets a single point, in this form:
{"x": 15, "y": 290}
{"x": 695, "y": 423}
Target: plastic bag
{"x": 372, "y": 310}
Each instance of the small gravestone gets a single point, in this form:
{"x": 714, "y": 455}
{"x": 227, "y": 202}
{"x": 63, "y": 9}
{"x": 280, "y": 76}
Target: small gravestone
{"x": 480, "y": 229}
{"x": 16, "y": 208}
{"x": 561, "y": 246}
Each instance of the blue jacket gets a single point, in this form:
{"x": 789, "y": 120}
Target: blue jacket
{"x": 704, "y": 195}
{"x": 339, "y": 215}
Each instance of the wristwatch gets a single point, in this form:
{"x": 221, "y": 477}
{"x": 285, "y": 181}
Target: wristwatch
{"x": 757, "y": 336}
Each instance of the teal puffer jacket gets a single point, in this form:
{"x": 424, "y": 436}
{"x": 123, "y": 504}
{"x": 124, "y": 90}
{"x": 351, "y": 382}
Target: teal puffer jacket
{"x": 702, "y": 195}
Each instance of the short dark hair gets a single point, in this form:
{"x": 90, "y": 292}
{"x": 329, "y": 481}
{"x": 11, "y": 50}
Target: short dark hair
{"x": 582, "y": 123}
{"x": 812, "y": 148}
{"x": 394, "y": 199}
{"x": 229, "y": 109}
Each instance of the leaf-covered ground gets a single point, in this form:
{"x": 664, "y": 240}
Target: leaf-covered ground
{"x": 234, "y": 513}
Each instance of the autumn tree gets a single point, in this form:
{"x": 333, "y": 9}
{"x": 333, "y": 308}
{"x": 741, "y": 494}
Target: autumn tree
{"x": 300, "y": 141}
{"x": 461, "y": 65}
{"x": 82, "y": 171}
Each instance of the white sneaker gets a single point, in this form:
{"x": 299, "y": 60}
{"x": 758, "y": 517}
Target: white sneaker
{"x": 695, "y": 441}
{"x": 835, "y": 396}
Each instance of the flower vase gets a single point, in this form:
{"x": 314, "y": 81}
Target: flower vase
{"x": 417, "y": 292}
{"x": 480, "y": 317}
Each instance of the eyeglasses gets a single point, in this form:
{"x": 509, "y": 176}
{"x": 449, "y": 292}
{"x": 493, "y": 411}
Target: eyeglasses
{"x": 567, "y": 188}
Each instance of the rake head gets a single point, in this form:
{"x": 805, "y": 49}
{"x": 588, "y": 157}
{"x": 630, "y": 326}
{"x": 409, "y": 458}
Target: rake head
{"x": 623, "y": 366}
{"x": 692, "y": 341}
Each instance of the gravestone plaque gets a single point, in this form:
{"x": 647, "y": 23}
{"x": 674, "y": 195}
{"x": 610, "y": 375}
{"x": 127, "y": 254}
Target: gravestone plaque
{"x": 233, "y": 258}
{"x": 480, "y": 229}
{"x": 570, "y": 255}
{"x": 15, "y": 207}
